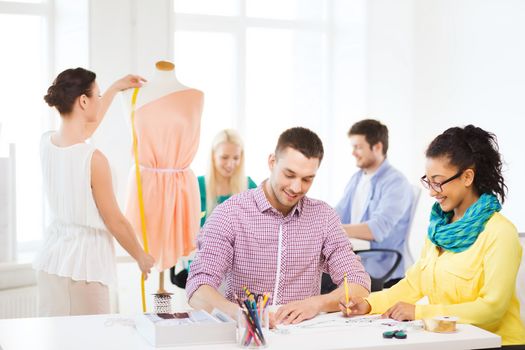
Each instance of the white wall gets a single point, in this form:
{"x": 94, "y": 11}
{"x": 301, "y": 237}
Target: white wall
{"x": 70, "y": 39}
{"x": 348, "y": 103}
{"x": 436, "y": 64}
{"x": 419, "y": 66}
{"x": 130, "y": 36}
{"x": 124, "y": 37}
{"x": 470, "y": 69}
{"x": 390, "y": 62}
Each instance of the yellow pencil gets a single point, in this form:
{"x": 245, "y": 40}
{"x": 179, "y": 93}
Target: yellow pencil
{"x": 346, "y": 294}
{"x": 265, "y": 300}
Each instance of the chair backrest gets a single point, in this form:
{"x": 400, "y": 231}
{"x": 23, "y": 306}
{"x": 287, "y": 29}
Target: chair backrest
{"x": 520, "y": 279}
{"x": 390, "y": 257}
{"x": 369, "y": 255}
{"x": 409, "y": 250}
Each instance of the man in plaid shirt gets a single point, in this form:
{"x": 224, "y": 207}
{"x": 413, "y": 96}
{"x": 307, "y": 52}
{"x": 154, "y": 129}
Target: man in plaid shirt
{"x": 274, "y": 239}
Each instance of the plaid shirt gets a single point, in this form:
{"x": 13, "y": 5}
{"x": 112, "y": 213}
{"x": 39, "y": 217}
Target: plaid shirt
{"x": 246, "y": 242}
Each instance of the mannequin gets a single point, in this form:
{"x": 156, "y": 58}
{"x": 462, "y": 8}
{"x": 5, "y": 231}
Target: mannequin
{"x": 167, "y": 122}
{"x": 163, "y": 83}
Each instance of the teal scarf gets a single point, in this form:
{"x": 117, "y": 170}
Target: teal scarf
{"x": 460, "y": 235}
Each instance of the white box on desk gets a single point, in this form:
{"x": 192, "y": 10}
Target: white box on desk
{"x": 200, "y": 328}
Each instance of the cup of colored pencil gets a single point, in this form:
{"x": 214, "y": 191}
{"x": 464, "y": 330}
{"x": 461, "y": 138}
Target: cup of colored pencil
{"x": 253, "y": 320}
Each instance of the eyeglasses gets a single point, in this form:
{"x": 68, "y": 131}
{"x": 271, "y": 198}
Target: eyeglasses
{"x": 438, "y": 186}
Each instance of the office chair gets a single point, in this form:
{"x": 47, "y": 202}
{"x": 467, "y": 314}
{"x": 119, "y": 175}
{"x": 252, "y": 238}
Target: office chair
{"x": 378, "y": 282}
{"x": 179, "y": 279}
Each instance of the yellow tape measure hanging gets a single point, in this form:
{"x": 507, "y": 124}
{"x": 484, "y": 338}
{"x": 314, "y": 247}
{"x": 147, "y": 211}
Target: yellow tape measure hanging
{"x": 139, "y": 191}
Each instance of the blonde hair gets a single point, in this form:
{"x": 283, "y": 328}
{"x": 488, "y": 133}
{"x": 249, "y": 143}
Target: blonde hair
{"x": 238, "y": 181}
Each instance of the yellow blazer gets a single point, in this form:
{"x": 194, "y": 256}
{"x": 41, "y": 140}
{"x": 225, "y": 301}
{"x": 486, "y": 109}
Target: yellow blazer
{"x": 477, "y": 285}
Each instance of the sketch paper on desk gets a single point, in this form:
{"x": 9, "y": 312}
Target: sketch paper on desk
{"x": 337, "y": 321}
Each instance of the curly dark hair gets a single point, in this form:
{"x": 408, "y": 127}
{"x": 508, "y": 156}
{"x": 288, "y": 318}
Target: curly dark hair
{"x": 374, "y": 132}
{"x": 303, "y": 140}
{"x": 475, "y": 148}
{"x": 67, "y": 86}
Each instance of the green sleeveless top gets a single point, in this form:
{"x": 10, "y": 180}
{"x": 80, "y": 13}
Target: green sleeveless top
{"x": 220, "y": 199}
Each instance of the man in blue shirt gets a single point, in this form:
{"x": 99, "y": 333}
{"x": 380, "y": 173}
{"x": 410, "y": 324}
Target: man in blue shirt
{"x": 377, "y": 202}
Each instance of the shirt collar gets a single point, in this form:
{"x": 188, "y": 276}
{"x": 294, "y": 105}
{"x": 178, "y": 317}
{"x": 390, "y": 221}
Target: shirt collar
{"x": 382, "y": 168}
{"x": 263, "y": 204}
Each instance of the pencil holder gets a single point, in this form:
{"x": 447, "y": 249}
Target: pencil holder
{"x": 253, "y": 326}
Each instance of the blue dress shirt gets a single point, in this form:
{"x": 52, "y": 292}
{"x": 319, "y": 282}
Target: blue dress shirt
{"x": 387, "y": 213}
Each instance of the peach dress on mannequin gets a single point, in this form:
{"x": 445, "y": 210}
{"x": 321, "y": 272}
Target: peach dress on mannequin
{"x": 168, "y": 130}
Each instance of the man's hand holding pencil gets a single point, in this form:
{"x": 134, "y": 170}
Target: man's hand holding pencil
{"x": 355, "y": 306}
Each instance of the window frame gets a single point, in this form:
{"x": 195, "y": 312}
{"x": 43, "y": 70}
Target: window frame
{"x": 24, "y": 251}
{"x": 238, "y": 26}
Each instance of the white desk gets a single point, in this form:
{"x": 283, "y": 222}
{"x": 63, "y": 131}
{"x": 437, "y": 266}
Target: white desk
{"x": 91, "y": 332}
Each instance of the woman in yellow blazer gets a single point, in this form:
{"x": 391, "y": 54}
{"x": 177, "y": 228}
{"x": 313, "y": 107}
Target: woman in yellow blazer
{"x": 472, "y": 253}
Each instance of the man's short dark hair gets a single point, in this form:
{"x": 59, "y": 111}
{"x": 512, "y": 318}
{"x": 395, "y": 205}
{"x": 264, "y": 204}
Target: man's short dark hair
{"x": 303, "y": 140}
{"x": 373, "y": 132}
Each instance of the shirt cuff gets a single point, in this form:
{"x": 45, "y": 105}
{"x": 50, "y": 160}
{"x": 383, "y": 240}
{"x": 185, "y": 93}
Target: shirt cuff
{"x": 373, "y": 226}
{"x": 362, "y": 279}
{"x": 195, "y": 282}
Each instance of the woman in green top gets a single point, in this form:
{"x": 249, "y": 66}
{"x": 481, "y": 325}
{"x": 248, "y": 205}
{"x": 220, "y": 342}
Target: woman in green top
{"x": 225, "y": 174}
{"x": 225, "y": 178}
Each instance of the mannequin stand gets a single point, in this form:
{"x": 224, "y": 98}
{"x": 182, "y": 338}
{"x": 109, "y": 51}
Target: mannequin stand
{"x": 162, "y": 299}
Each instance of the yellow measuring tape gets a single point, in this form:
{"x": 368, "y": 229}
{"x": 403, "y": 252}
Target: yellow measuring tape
{"x": 139, "y": 191}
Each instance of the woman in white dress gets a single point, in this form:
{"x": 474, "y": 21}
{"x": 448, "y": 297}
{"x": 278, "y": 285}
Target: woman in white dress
{"x": 77, "y": 262}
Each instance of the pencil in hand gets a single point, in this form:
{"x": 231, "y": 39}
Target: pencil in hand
{"x": 346, "y": 295}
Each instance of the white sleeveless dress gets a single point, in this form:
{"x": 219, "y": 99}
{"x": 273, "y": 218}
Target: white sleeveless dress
{"x": 77, "y": 243}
